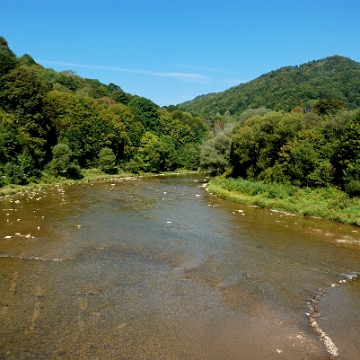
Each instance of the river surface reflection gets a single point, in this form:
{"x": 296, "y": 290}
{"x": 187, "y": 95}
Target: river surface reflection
{"x": 158, "y": 268}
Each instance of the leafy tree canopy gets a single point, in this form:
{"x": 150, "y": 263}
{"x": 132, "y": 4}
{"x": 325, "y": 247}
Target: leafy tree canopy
{"x": 57, "y": 123}
{"x": 4, "y": 47}
{"x": 334, "y": 77}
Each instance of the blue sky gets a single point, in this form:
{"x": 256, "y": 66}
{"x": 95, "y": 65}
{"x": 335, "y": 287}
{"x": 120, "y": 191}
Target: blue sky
{"x": 171, "y": 51}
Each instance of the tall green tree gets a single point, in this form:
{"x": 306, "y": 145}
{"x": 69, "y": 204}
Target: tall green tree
{"x": 347, "y": 155}
{"x": 22, "y": 95}
{"x": 7, "y": 63}
{"x": 215, "y": 152}
{"x": 147, "y": 112}
{"x": 62, "y": 164}
{"x": 4, "y": 47}
{"x": 305, "y": 160}
{"x": 256, "y": 143}
{"x": 107, "y": 160}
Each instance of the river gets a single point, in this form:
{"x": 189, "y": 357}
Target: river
{"x": 158, "y": 268}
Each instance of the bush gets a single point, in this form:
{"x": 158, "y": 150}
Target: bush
{"x": 74, "y": 172}
{"x": 107, "y": 161}
{"x": 133, "y": 167}
{"x": 189, "y": 156}
{"x": 61, "y": 159}
{"x": 14, "y": 174}
{"x": 353, "y": 188}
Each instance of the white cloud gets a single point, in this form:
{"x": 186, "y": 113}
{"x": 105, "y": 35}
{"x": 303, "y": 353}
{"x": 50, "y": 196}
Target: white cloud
{"x": 178, "y": 75}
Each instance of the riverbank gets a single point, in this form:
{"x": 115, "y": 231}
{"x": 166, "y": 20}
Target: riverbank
{"x": 90, "y": 175}
{"x": 327, "y": 203}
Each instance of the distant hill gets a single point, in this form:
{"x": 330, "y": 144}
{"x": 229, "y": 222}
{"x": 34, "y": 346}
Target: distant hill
{"x": 334, "y": 77}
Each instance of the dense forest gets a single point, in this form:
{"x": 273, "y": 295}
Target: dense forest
{"x": 334, "y": 77}
{"x": 298, "y": 126}
{"x": 57, "y": 123}
{"x": 316, "y": 149}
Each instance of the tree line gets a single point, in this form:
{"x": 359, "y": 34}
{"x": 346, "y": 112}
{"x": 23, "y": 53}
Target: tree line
{"x": 57, "y": 123}
{"x": 316, "y": 149}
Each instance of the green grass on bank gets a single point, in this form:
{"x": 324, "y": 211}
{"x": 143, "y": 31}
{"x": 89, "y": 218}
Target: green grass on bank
{"x": 327, "y": 203}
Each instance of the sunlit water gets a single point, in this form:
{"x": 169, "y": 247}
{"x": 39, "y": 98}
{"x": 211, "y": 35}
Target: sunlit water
{"x": 158, "y": 268}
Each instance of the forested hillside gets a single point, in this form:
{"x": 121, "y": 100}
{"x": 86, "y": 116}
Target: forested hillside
{"x": 334, "y": 77}
{"x": 56, "y": 124}
{"x": 296, "y": 125}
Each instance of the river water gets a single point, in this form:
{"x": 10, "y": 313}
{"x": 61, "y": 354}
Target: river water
{"x": 158, "y": 268}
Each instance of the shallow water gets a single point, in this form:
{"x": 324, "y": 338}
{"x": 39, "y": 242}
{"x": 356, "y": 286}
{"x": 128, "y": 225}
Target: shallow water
{"x": 158, "y": 268}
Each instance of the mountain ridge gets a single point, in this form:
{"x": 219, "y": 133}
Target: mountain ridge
{"x": 335, "y": 77}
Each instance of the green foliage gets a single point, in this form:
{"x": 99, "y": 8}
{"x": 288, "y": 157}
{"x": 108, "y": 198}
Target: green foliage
{"x": 156, "y": 155}
{"x": 183, "y": 128}
{"x": 14, "y": 174}
{"x": 74, "y": 172}
{"x": 77, "y": 123}
{"x": 62, "y": 164}
{"x": 107, "y": 160}
{"x": 327, "y": 202}
{"x": 334, "y": 77}
{"x": 249, "y": 113}
{"x": 60, "y": 160}
{"x": 304, "y": 160}
{"x": 70, "y": 80}
{"x": 60, "y": 123}
{"x": 328, "y": 106}
{"x": 117, "y": 134}
{"x": 22, "y": 92}
{"x": 256, "y": 143}
{"x": 4, "y": 47}
{"x": 347, "y": 153}
{"x": 119, "y": 95}
{"x": 28, "y": 166}
{"x": 7, "y": 63}
{"x": 305, "y": 150}
{"x": 133, "y": 166}
{"x": 215, "y": 152}
{"x": 27, "y": 60}
{"x": 352, "y": 188}
{"x": 147, "y": 112}
{"x": 9, "y": 141}
{"x": 189, "y": 156}
{"x": 22, "y": 95}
